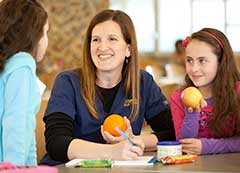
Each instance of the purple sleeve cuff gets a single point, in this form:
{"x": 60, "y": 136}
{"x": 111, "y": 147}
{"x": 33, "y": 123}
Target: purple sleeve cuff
{"x": 217, "y": 146}
{"x": 190, "y": 125}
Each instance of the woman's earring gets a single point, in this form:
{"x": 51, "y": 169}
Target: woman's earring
{"x": 126, "y": 60}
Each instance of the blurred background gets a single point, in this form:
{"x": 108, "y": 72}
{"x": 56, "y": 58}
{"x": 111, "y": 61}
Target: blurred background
{"x": 159, "y": 24}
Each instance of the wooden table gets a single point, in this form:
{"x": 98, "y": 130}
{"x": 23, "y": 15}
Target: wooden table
{"x": 226, "y": 163}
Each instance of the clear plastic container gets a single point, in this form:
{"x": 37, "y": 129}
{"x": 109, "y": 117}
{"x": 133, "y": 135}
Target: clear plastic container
{"x": 168, "y": 148}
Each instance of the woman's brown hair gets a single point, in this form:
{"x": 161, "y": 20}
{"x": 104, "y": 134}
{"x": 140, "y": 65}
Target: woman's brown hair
{"x": 224, "y": 86}
{"x": 130, "y": 72}
{"x": 21, "y": 27}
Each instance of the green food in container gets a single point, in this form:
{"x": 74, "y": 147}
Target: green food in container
{"x": 95, "y": 164}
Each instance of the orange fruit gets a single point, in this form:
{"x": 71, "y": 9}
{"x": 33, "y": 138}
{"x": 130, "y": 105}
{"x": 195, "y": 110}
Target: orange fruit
{"x": 191, "y": 97}
{"x": 113, "y": 121}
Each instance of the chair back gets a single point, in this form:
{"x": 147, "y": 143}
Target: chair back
{"x": 168, "y": 89}
{"x": 40, "y": 129}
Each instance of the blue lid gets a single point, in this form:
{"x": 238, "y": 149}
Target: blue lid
{"x": 169, "y": 143}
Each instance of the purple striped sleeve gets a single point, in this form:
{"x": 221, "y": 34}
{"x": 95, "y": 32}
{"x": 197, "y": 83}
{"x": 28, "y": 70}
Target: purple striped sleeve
{"x": 223, "y": 145}
{"x": 190, "y": 125}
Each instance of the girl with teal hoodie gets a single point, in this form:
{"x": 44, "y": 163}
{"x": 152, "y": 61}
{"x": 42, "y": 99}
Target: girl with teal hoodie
{"x": 23, "y": 42}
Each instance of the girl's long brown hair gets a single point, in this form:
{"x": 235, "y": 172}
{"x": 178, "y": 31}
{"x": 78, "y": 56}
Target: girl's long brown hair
{"x": 21, "y": 27}
{"x": 130, "y": 72}
{"x": 224, "y": 93}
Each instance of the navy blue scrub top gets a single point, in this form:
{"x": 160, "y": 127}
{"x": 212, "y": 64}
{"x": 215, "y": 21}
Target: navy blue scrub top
{"x": 66, "y": 97}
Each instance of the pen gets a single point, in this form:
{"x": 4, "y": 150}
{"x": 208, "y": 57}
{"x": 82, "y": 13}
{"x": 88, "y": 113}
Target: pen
{"x": 125, "y": 136}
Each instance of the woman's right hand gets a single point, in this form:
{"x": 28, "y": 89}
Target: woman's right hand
{"x": 110, "y": 139}
{"x": 126, "y": 151}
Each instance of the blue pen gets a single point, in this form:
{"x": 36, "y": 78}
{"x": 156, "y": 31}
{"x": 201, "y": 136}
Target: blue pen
{"x": 125, "y": 136}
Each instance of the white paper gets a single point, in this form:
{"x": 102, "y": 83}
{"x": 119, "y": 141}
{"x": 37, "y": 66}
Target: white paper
{"x": 141, "y": 161}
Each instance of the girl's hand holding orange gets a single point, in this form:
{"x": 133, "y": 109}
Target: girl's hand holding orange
{"x": 193, "y": 99}
{"x": 110, "y": 135}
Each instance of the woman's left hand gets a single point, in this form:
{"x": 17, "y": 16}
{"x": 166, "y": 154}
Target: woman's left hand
{"x": 125, "y": 151}
{"x": 112, "y": 139}
{"x": 191, "y": 146}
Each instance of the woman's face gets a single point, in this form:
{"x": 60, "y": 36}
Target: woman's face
{"x": 108, "y": 47}
{"x": 42, "y": 44}
{"x": 201, "y": 63}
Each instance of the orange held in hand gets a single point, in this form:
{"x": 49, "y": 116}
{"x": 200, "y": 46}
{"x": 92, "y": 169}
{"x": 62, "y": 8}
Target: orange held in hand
{"x": 191, "y": 97}
{"x": 113, "y": 121}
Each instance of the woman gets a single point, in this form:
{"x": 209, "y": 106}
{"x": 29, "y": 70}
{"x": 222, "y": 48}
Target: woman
{"x": 109, "y": 81}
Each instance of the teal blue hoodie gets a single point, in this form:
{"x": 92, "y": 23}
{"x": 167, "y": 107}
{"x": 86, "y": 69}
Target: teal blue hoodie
{"x": 19, "y": 103}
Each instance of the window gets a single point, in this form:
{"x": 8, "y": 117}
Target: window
{"x": 233, "y": 23}
{"x": 174, "y": 22}
{"x": 159, "y": 23}
{"x": 142, "y": 14}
